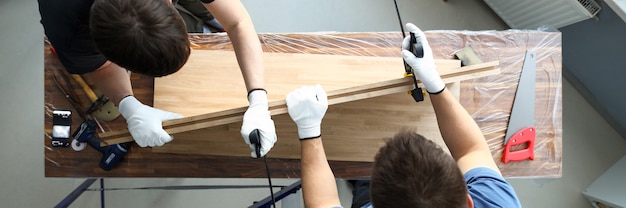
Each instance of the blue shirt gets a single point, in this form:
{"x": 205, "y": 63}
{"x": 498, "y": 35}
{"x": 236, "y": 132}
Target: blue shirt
{"x": 487, "y": 189}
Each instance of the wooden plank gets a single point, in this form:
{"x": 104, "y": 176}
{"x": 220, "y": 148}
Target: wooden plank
{"x": 211, "y": 80}
{"x": 352, "y": 131}
{"x": 334, "y": 97}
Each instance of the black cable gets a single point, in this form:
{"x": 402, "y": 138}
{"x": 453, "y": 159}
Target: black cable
{"x": 255, "y": 138}
{"x": 399, "y": 19}
{"x": 267, "y": 170}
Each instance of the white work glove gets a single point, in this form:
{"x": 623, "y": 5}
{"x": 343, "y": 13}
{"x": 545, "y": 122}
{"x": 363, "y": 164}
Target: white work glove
{"x": 424, "y": 68}
{"x": 258, "y": 117}
{"x": 144, "y": 122}
{"x": 307, "y": 106}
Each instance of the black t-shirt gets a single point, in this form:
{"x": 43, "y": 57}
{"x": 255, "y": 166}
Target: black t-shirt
{"x": 66, "y": 24}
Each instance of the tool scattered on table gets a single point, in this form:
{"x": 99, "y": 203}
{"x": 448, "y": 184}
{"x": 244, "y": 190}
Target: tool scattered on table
{"x": 101, "y": 107}
{"x": 111, "y": 155}
{"x": 522, "y": 120}
{"x": 255, "y": 138}
{"x": 61, "y": 125}
{"x": 68, "y": 93}
{"x": 418, "y": 51}
{"x": 85, "y": 134}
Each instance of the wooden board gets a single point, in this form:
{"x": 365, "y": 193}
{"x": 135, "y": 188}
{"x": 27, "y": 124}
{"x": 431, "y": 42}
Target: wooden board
{"x": 352, "y": 131}
{"x": 334, "y": 97}
{"x": 368, "y": 87}
{"x": 211, "y": 80}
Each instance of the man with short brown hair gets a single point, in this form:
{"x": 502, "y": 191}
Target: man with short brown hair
{"x": 408, "y": 160}
{"x": 409, "y": 170}
{"x": 101, "y": 39}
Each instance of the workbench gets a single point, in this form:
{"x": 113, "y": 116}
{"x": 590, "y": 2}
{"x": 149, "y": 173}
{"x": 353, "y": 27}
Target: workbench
{"x": 488, "y": 100}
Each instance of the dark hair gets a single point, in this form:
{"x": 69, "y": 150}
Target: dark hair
{"x": 146, "y": 37}
{"x": 412, "y": 171}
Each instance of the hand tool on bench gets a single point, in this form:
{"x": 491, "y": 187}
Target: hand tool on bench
{"x": 111, "y": 155}
{"x": 101, "y": 107}
{"x": 520, "y": 129}
{"x": 69, "y": 94}
{"x": 72, "y": 98}
{"x": 418, "y": 51}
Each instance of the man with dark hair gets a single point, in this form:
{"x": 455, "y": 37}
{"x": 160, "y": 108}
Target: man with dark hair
{"x": 148, "y": 38}
{"x": 409, "y": 160}
{"x": 409, "y": 170}
{"x": 101, "y": 39}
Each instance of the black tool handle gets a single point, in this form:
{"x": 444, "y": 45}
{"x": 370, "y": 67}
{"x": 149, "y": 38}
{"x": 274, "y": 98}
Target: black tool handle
{"x": 418, "y": 51}
{"x": 255, "y": 138}
{"x": 416, "y": 48}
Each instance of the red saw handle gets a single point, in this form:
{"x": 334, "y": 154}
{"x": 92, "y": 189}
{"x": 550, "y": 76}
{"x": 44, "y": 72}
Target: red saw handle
{"x": 526, "y": 135}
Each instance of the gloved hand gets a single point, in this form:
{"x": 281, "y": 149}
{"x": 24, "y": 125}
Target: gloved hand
{"x": 424, "y": 68}
{"x": 258, "y": 117}
{"x": 307, "y": 106}
{"x": 144, "y": 122}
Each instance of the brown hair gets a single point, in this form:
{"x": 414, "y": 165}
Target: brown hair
{"x": 146, "y": 37}
{"x": 412, "y": 171}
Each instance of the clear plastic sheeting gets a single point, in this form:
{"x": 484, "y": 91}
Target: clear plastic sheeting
{"x": 488, "y": 100}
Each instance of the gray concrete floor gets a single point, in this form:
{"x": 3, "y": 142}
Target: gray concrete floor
{"x": 590, "y": 145}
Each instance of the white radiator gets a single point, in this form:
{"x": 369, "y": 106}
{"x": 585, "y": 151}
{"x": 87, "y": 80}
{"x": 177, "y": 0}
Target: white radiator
{"x": 531, "y": 14}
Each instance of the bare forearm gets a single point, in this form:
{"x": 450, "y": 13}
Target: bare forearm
{"x": 459, "y": 131}
{"x": 112, "y": 80}
{"x": 249, "y": 54}
{"x": 318, "y": 182}
{"x": 240, "y": 29}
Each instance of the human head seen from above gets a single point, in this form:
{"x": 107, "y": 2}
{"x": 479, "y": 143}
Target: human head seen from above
{"x": 144, "y": 36}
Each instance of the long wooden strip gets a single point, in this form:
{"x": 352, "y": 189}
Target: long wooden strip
{"x": 334, "y": 97}
{"x": 352, "y": 131}
{"x": 211, "y": 80}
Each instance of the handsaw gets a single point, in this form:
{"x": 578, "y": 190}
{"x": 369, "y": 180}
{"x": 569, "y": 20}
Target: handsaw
{"x": 521, "y": 128}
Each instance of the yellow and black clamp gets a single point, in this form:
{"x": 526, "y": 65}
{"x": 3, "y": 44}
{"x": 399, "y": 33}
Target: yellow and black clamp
{"x": 418, "y": 51}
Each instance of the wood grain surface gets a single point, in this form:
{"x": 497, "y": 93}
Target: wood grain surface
{"x": 450, "y": 72}
{"x": 352, "y": 131}
{"x": 488, "y": 100}
{"x": 211, "y": 80}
